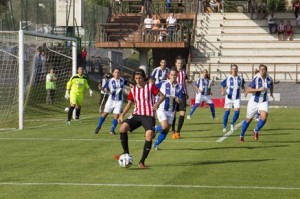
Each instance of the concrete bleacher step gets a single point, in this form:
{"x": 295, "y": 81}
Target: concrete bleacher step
{"x": 259, "y": 59}
{"x": 259, "y": 52}
{"x": 249, "y": 37}
{"x": 270, "y": 45}
{"x": 247, "y": 23}
{"x": 278, "y": 16}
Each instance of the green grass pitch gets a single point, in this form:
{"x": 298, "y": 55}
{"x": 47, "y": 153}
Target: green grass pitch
{"x": 51, "y": 160}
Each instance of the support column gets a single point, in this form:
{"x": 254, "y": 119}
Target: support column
{"x": 144, "y": 59}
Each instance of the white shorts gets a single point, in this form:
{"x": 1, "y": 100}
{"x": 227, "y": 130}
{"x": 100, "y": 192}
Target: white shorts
{"x": 229, "y": 103}
{"x": 201, "y": 98}
{"x": 114, "y": 106}
{"x": 163, "y": 115}
{"x": 254, "y": 107}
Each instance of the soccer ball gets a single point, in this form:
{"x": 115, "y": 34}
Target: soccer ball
{"x": 125, "y": 160}
{"x": 66, "y": 109}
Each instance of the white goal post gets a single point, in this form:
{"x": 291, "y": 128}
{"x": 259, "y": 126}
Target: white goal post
{"x": 21, "y": 65}
{"x": 22, "y": 79}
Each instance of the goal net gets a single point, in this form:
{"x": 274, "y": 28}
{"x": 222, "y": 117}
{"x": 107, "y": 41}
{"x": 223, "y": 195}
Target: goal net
{"x": 39, "y": 53}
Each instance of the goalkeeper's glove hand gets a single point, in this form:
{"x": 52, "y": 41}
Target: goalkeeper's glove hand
{"x": 91, "y": 92}
{"x": 67, "y": 94}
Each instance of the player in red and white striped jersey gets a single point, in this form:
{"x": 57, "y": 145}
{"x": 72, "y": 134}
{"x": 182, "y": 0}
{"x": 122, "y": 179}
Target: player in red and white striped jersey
{"x": 142, "y": 95}
{"x": 182, "y": 79}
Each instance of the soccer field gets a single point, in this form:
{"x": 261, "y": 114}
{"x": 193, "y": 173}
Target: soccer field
{"x": 52, "y": 160}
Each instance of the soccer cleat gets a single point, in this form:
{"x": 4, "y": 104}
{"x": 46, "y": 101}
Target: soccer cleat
{"x": 68, "y": 123}
{"x": 155, "y": 147}
{"x": 224, "y": 130}
{"x": 173, "y": 135}
{"x": 232, "y": 127}
{"x": 112, "y": 133}
{"x": 142, "y": 165}
{"x": 116, "y": 157}
{"x": 97, "y": 130}
{"x": 242, "y": 140}
{"x": 215, "y": 118}
{"x": 255, "y": 136}
{"x": 188, "y": 117}
{"x": 177, "y": 135}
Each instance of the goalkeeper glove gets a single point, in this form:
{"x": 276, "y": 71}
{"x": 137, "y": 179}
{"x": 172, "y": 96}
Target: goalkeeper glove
{"x": 91, "y": 92}
{"x": 67, "y": 95}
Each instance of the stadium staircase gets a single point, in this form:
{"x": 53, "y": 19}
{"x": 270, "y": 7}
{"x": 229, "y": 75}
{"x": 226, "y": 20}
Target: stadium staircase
{"x": 223, "y": 39}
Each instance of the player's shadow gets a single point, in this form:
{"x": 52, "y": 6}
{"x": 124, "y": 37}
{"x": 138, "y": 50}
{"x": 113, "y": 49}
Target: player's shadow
{"x": 226, "y": 148}
{"x": 209, "y": 162}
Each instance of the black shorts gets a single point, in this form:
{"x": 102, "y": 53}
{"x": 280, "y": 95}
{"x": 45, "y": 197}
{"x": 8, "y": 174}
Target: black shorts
{"x": 135, "y": 121}
{"x": 182, "y": 105}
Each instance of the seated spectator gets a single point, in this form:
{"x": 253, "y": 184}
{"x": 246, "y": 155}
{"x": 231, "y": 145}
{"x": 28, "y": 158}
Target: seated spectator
{"x": 148, "y": 27}
{"x": 215, "y": 5}
{"x": 280, "y": 31}
{"x": 262, "y": 10}
{"x": 253, "y": 8}
{"x": 180, "y": 6}
{"x": 272, "y": 23}
{"x": 288, "y": 31}
{"x": 155, "y": 27}
{"x": 162, "y": 33}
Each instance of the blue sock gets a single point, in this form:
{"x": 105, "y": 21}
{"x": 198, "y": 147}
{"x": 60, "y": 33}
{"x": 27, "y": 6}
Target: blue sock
{"x": 193, "y": 109}
{"x": 259, "y": 125}
{"x": 212, "y": 110}
{"x": 244, "y": 128}
{"x": 158, "y": 128}
{"x": 161, "y": 137}
{"x": 114, "y": 125}
{"x": 100, "y": 122}
{"x": 235, "y": 117}
{"x": 225, "y": 118}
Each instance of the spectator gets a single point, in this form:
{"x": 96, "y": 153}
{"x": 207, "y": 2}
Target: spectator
{"x": 262, "y": 10}
{"x": 148, "y": 27}
{"x": 298, "y": 21}
{"x": 162, "y": 33}
{"x": 253, "y": 8}
{"x": 280, "y": 31}
{"x": 272, "y": 23}
{"x": 288, "y": 31}
{"x": 50, "y": 86}
{"x": 155, "y": 27}
{"x": 215, "y": 4}
{"x": 171, "y": 25}
{"x": 168, "y": 5}
{"x": 83, "y": 57}
{"x": 296, "y": 7}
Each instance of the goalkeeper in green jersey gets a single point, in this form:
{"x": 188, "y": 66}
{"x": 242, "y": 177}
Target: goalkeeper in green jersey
{"x": 75, "y": 90}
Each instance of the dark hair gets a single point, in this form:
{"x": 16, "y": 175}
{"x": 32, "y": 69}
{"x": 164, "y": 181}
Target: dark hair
{"x": 262, "y": 65}
{"x": 234, "y": 65}
{"x": 113, "y": 70}
{"x": 139, "y": 72}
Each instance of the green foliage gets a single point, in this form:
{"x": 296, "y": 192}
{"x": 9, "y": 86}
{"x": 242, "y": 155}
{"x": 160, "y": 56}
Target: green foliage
{"x": 100, "y": 2}
{"x": 277, "y": 5}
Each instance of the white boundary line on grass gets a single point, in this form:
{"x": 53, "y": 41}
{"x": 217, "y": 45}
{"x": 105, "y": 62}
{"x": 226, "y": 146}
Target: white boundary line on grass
{"x": 144, "y": 185}
{"x": 94, "y": 140}
{"x": 229, "y": 132}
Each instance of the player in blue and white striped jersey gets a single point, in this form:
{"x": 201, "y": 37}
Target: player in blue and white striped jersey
{"x": 232, "y": 87}
{"x": 258, "y": 101}
{"x": 160, "y": 73}
{"x": 166, "y": 111}
{"x": 114, "y": 87}
{"x": 203, "y": 93}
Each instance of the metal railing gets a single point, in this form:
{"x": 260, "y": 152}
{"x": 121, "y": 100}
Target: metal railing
{"x": 178, "y": 33}
{"x": 157, "y": 7}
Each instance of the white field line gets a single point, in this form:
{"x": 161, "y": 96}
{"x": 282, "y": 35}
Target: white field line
{"x": 94, "y": 140}
{"x": 144, "y": 185}
{"x": 229, "y": 132}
